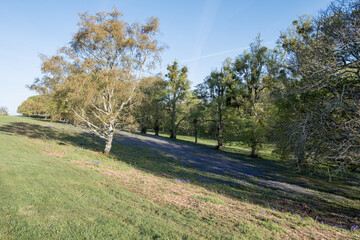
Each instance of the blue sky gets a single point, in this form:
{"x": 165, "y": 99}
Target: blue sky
{"x": 199, "y": 34}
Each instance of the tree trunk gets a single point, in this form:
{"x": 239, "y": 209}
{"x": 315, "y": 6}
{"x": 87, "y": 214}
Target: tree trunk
{"x": 173, "y": 134}
{"x": 253, "y": 113}
{"x": 220, "y": 127}
{"x": 173, "y": 121}
{"x": 300, "y": 150}
{"x": 254, "y": 149}
{"x": 93, "y": 139}
{"x": 109, "y": 140}
{"x": 156, "y": 127}
{"x": 220, "y": 145}
{"x": 300, "y": 154}
{"x": 173, "y": 129}
{"x": 196, "y": 133}
{"x": 254, "y": 153}
{"x": 144, "y": 130}
{"x": 108, "y": 145}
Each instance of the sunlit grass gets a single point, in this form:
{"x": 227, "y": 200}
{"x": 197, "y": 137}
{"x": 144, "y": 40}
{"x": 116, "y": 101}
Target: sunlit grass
{"x": 56, "y": 184}
{"x": 235, "y": 146}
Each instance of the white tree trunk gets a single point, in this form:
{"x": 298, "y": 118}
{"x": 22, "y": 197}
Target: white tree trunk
{"x": 109, "y": 140}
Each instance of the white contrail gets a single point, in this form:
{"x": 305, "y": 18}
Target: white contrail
{"x": 220, "y": 53}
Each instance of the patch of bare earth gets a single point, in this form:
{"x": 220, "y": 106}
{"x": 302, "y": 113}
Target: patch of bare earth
{"x": 231, "y": 213}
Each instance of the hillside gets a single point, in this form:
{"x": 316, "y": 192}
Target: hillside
{"x": 55, "y": 184}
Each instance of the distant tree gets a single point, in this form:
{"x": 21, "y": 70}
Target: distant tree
{"x": 35, "y": 106}
{"x": 98, "y": 75}
{"x": 177, "y": 91}
{"x": 150, "y": 112}
{"x": 4, "y": 111}
{"x": 214, "y": 92}
{"x": 196, "y": 111}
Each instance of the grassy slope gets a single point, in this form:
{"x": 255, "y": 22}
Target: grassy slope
{"x": 52, "y": 189}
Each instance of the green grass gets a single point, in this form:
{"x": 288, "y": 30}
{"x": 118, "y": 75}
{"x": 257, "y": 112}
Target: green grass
{"x": 54, "y": 184}
{"x": 234, "y": 147}
{"x": 208, "y": 199}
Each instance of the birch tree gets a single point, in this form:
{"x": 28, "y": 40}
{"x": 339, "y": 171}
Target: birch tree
{"x": 99, "y": 73}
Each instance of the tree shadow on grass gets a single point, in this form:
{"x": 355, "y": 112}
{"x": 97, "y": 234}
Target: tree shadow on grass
{"x": 259, "y": 181}
{"x": 50, "y": 132}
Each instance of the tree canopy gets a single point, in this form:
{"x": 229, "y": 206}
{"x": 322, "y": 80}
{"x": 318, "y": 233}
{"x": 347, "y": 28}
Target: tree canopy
{"x": 177, "y": 91}
{"x": 35, "y": 106}
{"x": 301, "y": 97}
{"x": 98, "y": 75}
{"x": 322, "y": 94}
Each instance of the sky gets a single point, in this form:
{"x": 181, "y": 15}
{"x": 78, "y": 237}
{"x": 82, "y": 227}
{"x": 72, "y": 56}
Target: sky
{"x": 200, "y": 34}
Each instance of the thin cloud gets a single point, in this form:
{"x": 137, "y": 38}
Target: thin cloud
{"x": 220, "y": 53}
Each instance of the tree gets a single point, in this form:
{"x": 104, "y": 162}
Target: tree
{"x": 150, "y": 111}
{"x": 323, "y": 56}
{"x": 215, "y": 92}
{"x": 4, "y": 111}
{"x": 256, "y": 71}
{"x": 99, "y": 73}
{"x": 177, "y": 92}
{"x": 196, "y": 110}
{"x": 35, "y": 106}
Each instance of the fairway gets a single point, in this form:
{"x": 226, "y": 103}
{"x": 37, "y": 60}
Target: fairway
{"x": 55, "y": 184}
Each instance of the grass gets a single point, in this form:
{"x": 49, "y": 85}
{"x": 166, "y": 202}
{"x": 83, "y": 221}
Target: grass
{"x": 208, "y": 199}
{"x": 234, "y": 147}
{"x": 55, "y": 184}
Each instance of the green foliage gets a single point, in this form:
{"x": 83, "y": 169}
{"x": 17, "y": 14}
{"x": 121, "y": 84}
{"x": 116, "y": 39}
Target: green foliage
{"x": 257, "y": 72}
{"x": 97, "y": 77}
{"x": 177, "y": 90}
{"x": 35, "y": 106}
{"x": 215, "y": 94}
{"x": 196, "y": 111}
{"x": 302, "y": 95}
{"x": 318, "y": 108}
{"x": 150, "y": 112}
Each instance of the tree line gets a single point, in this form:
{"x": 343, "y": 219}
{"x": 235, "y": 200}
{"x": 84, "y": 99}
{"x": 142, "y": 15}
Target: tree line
{"x": 301, "y": 96}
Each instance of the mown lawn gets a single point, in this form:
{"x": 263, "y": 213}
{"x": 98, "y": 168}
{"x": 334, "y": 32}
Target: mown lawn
{"x": 55, "y": 184}
{"x": 234, "y": 147}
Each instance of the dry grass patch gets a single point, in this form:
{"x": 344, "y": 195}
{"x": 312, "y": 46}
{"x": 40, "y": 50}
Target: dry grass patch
{"x": 223, "y": 211}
